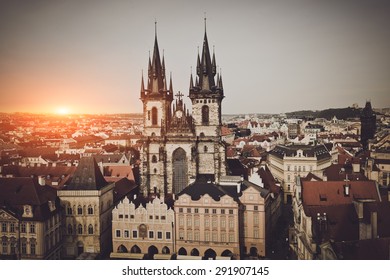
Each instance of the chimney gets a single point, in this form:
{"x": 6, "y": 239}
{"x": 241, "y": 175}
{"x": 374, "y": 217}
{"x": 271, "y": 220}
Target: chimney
{"x": 346, "y": 189}
{"x": 374, "y": 224}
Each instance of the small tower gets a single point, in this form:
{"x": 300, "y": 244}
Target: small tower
{"x": 368, "y": 125}
{"x": 156, "y": 98}
{"x": 206, "y": 95}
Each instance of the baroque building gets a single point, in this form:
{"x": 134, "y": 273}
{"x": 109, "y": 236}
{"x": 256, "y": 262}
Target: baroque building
{"x": 180, "y": 147}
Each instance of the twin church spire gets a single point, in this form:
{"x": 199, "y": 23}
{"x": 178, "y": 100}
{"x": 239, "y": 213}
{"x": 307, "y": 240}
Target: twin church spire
{"x": 206, "y": 69}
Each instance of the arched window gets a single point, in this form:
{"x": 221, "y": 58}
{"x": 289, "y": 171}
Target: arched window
{"x": 165, "y": 250}
{"x": 79, "y": 210}
{"x": 90, "y": 229}
{"x": 90, "y": 210}
{"x": 154, "y": 116}
{"x": 205, "y": 115}
{"x": 80, "y": 229}
{"x": 179, "y": 162}
{"x": 154, "y": 159}
{"x": 70, "y": 229}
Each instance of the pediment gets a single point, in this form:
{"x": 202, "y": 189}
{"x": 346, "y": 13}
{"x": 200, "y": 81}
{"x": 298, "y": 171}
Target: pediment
{"x": 5, "y": 216}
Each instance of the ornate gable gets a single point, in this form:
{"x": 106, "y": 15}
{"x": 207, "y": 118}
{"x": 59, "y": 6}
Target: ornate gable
{"x": 6, "y": 216}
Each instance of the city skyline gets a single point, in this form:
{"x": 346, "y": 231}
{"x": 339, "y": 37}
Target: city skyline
{"x": 88, "y": 57}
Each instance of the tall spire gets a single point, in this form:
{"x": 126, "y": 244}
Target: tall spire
{"x": 156, "y": 72}
{"x": 205, "y": 71}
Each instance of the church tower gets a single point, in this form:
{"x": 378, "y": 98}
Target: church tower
{"x": 179, "y": 147}
{"x": 207, "y": 94}
{"x": 156, "y": 98}
{"x": 368, "y": 125}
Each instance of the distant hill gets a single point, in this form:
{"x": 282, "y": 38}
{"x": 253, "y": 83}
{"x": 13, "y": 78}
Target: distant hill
{"x": 340, "y": 113}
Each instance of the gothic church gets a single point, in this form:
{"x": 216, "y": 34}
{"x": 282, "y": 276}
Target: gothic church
{"x": 179, "y": 147}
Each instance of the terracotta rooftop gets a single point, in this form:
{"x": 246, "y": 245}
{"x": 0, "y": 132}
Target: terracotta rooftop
{"x": 323, "y": 193}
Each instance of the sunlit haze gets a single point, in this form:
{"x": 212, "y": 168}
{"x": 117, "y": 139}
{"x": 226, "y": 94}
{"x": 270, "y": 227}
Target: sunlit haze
{"x": 275, "y": 56}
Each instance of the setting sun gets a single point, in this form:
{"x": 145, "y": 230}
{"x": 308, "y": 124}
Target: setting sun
{"x": 62, "y": 111}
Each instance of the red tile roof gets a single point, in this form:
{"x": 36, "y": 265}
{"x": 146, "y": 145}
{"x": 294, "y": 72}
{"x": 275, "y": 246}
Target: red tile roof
{"x": 323, "y": 193}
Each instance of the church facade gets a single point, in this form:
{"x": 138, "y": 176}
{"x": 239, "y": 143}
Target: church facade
{"x": 180, "y": 147}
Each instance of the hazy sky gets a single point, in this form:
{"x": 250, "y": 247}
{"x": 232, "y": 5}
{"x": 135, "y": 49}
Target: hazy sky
{"x": 276, "y": 56}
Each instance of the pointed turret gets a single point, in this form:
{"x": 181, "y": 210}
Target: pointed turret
{"x": 142, "y": 86}
{"x": 191, "y": 82}
{"x": 214, "y": 65}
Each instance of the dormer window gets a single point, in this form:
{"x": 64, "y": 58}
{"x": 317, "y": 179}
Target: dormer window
{"x": 52, "y": 205}
{"x": 27, "y": 211}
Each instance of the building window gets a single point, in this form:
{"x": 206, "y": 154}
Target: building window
{"x": 154, "y": 116}
{"x": 222, "y": 211}
{"x": 189, "y": 235}
{"x": 151, "y": 234}
{"x": 205, "y": 115}
{"x": 189, "y": 222}
{"x": 207, "y": 236}
{"x": 168, "y": 235}
{"x": 256, "y": 220}
{"x": 90, "y": 229}
{"x": 12, "y": 227}
{"x": 69, "y": 211}
{"x": 23, "y": 228}
{"x": 70, "y": 229}
{"x": 188, "y": 210}
{"x": 13, "y": 248}
{"x": 4, "y": 248}
{"x": 196, "y": 222}
{"x": 205, "y": 149}
{"x": 90, "y": 210}
{"x": 214, "y": 211}
{"x": 231, "y": 223}
{"x": 118, "y": 233}
{"x": 156, "y": 217}
{"x": 79, "y": 210}
{"x": 4, "y": 227}
{"x": 223, "y": 223}
{"x": 126, "y": 234}
{"x": 231, "y": 237}
{"x": 206, "y": 211}
{"x": 181, "y": 235}
{"x": 231, "y": 212}
{"x": 181, "y": 222}
{"x": 32, "y": 228}
{"x": 207, "y": 222}
{"x": 150, "y": 217}
{"x": 256, "y": 233}
{"x": 24, "y": 248}
{"x": 256, "y": 208}
{"x": 159, "y": 235}
{"x": 32, "y": 248}
{"x": 214, "y": 222}
{"x": 223, "y": 237}
{"x": 154, "y": 159}
{"x": 196, "y": 236}
{"x": 180, "y": 177}
{"x": 135, "y": 234}
{"x": 196, "y": 210}
{"x": 214, "y": 236}
{"x": 131, "y": 216}
{"x": 80, "y": 229}
{"x": 288, "y": 167}
{"x": 180, "y": 210}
